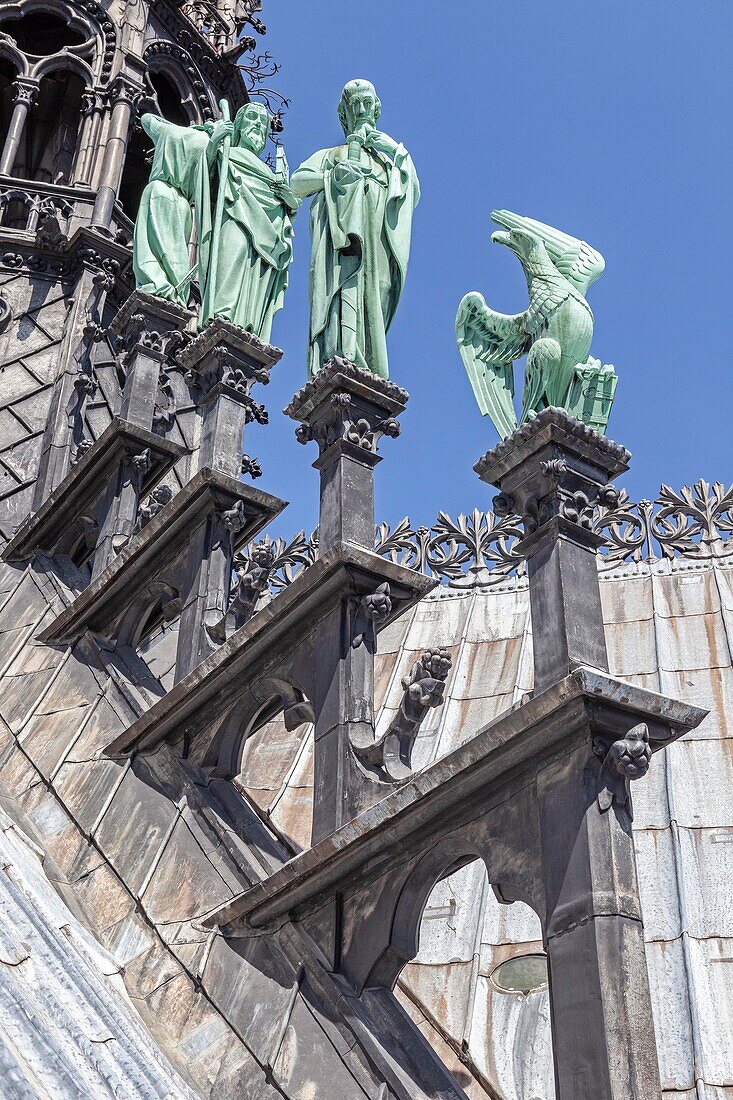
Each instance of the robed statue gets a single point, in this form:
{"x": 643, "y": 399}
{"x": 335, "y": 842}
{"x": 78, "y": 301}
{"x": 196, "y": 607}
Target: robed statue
{"x": 244, "y": 242}
{"x": 364, "y": 194}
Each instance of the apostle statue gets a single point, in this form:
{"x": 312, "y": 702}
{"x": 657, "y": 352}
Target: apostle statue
{"x": 179, "y": 181}
{"x": 365, "y": 192}
{"x": 255, "y": 246}
{"x": 244, "y": 244}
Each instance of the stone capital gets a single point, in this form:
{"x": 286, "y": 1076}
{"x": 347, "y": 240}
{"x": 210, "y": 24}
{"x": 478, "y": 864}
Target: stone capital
{"x": 347, "y": 411}
{"x": 553, "y": 472}
{"x": 225, "y": 355}
{"x": 25, "y": 91}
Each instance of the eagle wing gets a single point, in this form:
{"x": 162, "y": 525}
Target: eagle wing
{"x": 489, "y": 344}
{"x": 576, "y": 260}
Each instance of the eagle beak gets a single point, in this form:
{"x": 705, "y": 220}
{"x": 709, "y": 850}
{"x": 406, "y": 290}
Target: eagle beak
{"x": 502, "y": 237}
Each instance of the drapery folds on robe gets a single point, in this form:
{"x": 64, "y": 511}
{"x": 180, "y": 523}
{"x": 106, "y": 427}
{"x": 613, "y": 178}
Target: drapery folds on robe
{"x": 361, "y": 245}
{"x": 256, "y": 244}
{"x": 179, "y": 180}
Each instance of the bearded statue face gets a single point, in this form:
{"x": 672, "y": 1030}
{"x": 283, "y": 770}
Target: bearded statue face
{"x": 251, "y": 127}
{"x": 359, "y": 106}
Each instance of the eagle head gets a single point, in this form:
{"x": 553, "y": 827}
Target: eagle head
{"x": 519, "y": 241}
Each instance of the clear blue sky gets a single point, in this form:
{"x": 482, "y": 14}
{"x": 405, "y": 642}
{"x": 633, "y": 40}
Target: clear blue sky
{"x": 610, "y": 121}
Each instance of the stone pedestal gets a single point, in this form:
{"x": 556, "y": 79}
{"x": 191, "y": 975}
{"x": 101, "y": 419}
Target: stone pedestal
{"x": 151, "y": 330}
{"x": 224, "y": 363}
{"x": 553, "y": 471}
{"x": 346, "y": 411}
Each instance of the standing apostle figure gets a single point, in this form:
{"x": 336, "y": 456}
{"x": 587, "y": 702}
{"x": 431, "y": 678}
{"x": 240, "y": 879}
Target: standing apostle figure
{"x": 255, "y": 232}
{"x": 255, "y": 247}
{"x": 365, "y": 193}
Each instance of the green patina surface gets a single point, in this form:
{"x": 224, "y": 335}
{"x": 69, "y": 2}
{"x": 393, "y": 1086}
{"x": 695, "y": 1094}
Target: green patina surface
{"x": 364, "y": 195}
{"x": 554, "y": 332}
{"x": 245, "y": 244}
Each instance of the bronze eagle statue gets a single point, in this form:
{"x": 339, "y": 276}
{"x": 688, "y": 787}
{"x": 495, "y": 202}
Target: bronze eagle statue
{"x": 554, "y": 332}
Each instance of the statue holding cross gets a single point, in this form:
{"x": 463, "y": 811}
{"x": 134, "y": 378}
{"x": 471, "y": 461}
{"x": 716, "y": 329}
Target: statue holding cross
{"x": 244, "y": 245}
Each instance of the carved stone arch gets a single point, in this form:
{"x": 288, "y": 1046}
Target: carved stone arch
{"x": 178, "y": 65}
{"x": 108, "y": 33}
{"x": 159, "y": 598}
{"x": 63, "y": 62}
{"x": 10, "y": 52}
{"x": 86, "y": 16}
{"x": 408, "y": 906}
{"x": 265, "y": 699}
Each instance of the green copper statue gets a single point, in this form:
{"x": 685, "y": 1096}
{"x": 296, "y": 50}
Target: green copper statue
{"x": 554, "y": 332}
{"x": 245, "y": 245}
{"x": 179, "y": 181}
{"x": 365, "y": 192}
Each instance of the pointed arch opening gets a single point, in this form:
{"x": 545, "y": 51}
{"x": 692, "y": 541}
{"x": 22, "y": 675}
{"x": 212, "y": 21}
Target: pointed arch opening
{"x": 48, "y": 147}
{"x": 477, "y": 985}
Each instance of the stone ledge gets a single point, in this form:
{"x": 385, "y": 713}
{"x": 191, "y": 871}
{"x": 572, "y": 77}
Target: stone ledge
{"x": 86, "y": 483}
{"x": 436, "y": 797}
{"x": 217, "y": 331}
{"x": 162, "y": 540}
{"x": 341, "y": 374}
{"x": 552, "y": 425}
{"x": 213, "y": 685}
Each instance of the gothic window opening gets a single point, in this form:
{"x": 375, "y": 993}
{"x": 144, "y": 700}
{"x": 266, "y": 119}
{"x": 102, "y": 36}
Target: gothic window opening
{"x": 140, "y": 148}
{"x": 41, "y": 33}
{"x": 49, "y": 143}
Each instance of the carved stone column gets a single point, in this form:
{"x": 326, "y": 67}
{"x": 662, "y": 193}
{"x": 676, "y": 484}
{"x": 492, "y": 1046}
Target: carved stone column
{"x": 123, "y": 97}
{"x": 151, "y": 330}
{"x": 552, "y": 471}
{"x": 25, "y": 95}
{"x": 346, "y": 411}
{"x": 91, "y": 113}
{"x": 224, "y": 363}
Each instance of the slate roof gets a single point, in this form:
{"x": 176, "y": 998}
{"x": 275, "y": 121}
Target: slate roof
{"x": 669, "y": 626}
{"x": 67, "y": 1028}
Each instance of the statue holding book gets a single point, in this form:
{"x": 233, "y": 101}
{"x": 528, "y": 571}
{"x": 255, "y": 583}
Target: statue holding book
{"x": 364, "y": 194}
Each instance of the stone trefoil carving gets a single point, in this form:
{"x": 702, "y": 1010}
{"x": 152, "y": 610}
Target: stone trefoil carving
{"x": 251, "y": 467}
{"x": 622, "y": 761}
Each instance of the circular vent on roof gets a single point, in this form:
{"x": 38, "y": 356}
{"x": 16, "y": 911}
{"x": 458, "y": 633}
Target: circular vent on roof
{"x": 522, "y": 974}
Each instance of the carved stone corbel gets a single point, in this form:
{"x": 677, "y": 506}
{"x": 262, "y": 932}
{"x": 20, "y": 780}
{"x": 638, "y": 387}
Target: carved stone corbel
{"x": 372, "y": 611}
{"x": 622, "y": 761}
{"x": 423, "y": 690}
{"x": 156, "y": 502}
{"x": 253, "y": 578}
